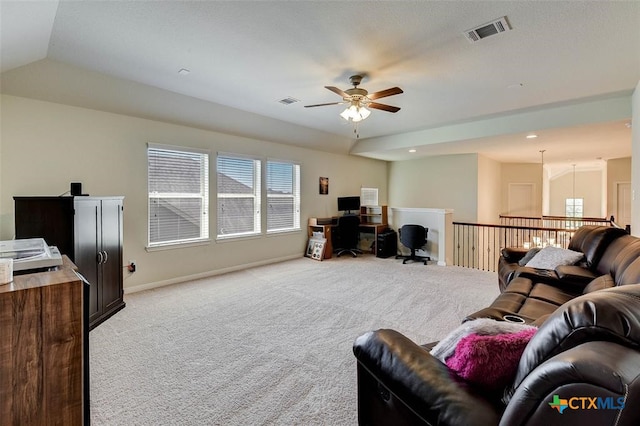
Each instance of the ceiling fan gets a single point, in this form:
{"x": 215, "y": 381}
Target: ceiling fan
{"x": 359, "y": 100}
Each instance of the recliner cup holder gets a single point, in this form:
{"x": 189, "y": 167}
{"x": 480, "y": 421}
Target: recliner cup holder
{"x": 513, "y": 318}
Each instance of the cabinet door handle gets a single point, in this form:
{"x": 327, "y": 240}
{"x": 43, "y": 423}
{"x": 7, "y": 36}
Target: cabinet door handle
{"x": 106, "y": 256}
{"x": 100, "y": 258}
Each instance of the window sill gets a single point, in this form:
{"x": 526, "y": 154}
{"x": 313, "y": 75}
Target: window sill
{"x": 172, "y": 246}
{"x": 283, "y": 232}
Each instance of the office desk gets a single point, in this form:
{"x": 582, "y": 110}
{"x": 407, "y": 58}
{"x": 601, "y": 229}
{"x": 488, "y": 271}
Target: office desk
{"x": 313, "y": 225}
{"x": 375, "y": 228}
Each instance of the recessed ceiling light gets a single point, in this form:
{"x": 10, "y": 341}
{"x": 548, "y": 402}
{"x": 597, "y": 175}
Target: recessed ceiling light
{"x": 183, "y": 71}
{"x": 412, "y": 150}
{"x": 532, "y": 136}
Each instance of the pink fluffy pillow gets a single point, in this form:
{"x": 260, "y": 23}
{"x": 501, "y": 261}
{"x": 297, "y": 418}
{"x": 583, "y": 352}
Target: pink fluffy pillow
{"x": 489, "y": 361}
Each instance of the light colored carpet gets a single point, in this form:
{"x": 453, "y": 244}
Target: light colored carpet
{"x": 269, "y": 345}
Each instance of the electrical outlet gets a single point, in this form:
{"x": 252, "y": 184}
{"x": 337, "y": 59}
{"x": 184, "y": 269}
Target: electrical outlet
{"x": 131, "y": 267}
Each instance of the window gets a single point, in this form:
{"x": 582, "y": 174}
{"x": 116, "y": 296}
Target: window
{"x": 368, "y": 196}
{"x": 238, "y": 196}
{"x": 283, "y": 196}
{"x": 573, "y": 207}
{"x": 178, "y": 180}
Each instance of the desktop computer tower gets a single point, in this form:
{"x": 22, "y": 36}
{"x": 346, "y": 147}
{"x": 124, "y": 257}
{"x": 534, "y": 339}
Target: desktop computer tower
{"x": 387, "y": 244}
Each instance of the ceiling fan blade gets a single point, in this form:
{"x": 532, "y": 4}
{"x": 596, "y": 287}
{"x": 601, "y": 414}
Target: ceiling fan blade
{"x": 337, "y": 91}
{"x": 383, "y": 107}
{"x": 317, "y": 105}
{"x": 384, "y": 93}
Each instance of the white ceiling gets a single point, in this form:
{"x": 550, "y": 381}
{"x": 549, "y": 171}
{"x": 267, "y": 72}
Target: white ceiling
{"x": 248, "y": 55}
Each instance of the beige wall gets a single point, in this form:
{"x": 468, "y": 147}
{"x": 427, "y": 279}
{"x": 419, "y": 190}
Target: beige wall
{"x": 588, "y": 186}
{"x": 519, "y": 173}
{"x": 45, "y": 146}
{"x": 489, "y": 187}
{"x": 441, "y": 182}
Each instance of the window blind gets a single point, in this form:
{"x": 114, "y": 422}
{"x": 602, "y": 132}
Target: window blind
{"x": 239, "y": 180}
{"x": 178, "y": 182}
{"x": 283, "y": 196}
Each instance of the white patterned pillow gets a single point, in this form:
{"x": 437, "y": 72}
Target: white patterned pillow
{"x": 481, "y": 326}
{"x": 551, "y": 257}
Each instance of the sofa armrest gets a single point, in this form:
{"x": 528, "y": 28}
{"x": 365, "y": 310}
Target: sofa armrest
{"x": 419, "y": 381}
{"x": 513, "y": 254}
{"x": 575, "y": 274}
{"x": 498, "y": 314}
{"x": 552, "y": 277}
{"x": 578, "y": 372}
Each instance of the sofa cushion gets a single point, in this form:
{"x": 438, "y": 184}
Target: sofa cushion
{"x": 631, "y": 274}
{"x": 489, "y": 362}
{"x": 551, "y": 294}
{"x": 551, "y": 257}
{"x": 592, "y": 240}
{"x": 600, "y": 283}
{"x": 612, "y": 251}
{"x": 520, "y": 285}
{"x": 535, "y": 308}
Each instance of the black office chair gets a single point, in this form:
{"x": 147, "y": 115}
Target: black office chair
{"x": 348, "y": 235}
{"x": 413, "y": 237}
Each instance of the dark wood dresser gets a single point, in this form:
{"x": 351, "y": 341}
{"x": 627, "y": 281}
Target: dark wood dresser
{"x": 44, "y": 371}
{"x": 89, "y": 231}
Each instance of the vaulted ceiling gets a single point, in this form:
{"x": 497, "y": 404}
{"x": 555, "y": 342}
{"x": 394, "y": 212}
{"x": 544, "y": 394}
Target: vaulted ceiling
{"x": 565, "y": 70}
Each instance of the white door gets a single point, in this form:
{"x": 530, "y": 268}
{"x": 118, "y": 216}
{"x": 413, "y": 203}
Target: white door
{"x": 521, "y": 200}
{"x": 623, "y": 202}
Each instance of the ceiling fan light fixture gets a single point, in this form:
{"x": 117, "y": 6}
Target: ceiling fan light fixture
{"x": 355, "y": 112}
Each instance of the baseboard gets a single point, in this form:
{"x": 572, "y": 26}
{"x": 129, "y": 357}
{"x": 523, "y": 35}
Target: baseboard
{"x": 177, "y": 280}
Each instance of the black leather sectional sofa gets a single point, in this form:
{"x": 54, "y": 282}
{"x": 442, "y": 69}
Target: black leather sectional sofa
{"x": 533, "y": 294}
{"x": 582, "y": 366}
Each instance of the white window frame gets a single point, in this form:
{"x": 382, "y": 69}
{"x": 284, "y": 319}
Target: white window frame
{"x": 203, "y": 195}
{"x": 571, "y": 204}
{"x": 295, "y": 195}
{"x": 256, "y": 196}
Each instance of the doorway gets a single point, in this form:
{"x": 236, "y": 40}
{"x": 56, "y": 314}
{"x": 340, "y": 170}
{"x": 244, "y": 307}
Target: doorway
{"x": 623, "y": 203}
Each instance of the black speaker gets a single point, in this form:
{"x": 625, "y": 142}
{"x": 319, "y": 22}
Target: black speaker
{"x": 76, "y": 188}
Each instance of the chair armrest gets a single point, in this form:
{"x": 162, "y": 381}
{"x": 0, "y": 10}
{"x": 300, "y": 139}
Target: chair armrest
{"x": 420, "y": 381}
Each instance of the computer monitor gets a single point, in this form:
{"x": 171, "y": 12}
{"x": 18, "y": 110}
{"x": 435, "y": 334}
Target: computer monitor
{"x": 349, "y": 204}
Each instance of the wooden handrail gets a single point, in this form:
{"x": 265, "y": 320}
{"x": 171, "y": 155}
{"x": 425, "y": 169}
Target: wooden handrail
{"x": 534, "y": 228}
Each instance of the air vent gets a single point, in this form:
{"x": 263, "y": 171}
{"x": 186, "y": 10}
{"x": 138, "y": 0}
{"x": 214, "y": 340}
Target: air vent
{"x": 289, "y": 101}
{"x": 494, "y": 27}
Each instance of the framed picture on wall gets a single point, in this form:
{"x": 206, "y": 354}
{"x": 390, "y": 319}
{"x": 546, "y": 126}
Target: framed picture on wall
{"x": 324, "y": 185}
